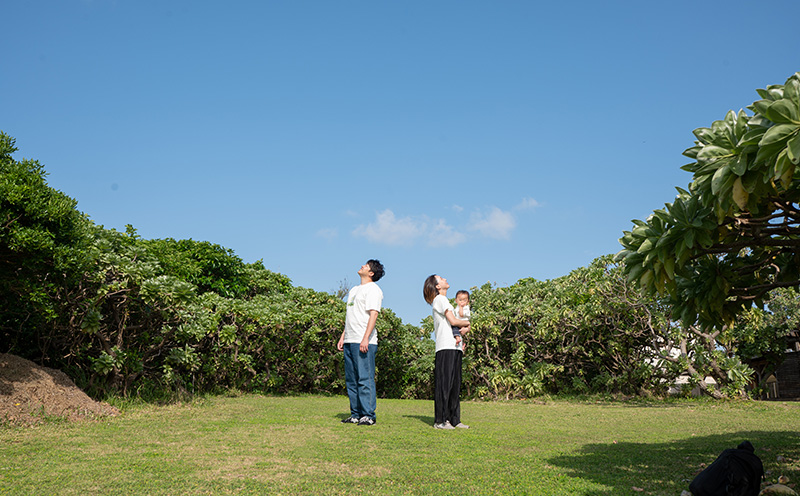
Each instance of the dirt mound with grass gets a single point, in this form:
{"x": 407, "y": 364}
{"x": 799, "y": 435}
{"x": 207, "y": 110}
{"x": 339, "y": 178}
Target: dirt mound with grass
{"x": 30, "y": 394}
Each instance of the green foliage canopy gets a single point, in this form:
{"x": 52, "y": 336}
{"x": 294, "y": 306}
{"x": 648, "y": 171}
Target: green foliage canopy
{"x": 589, "y": 331}
{"x": 734, "y": 235}
{"x": 43, "y": 250}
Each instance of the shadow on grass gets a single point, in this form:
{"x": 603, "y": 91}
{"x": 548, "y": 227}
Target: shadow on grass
{"x": 671, "y": 466}
{"x": 425, "y": 419}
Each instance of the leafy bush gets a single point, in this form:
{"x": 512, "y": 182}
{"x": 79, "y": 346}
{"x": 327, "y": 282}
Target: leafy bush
{"x": 43, "y": 245}
{"x": 588, "y": 331}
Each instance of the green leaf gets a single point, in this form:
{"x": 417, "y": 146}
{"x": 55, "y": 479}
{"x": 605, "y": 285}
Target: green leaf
{"x": 793, "y": 149}
{"x": 669, "y": 268}
{"x": 778, "y": 133}
{"x": 741, "y": 123}
{"x": 713, "y": 153}
{"x": 784, "y": 169}
{"x": 646, "y": 246}
{"x": 719, "y": 179}
{"x": 739, "y": 165}
{"x": 663, "y": 215}
{"x": 689, "y": 239}
{"x": 678, "y": 211}
{"x": 751, "y": 137}
{"x": 762, "y": 107}
{"x": 634, "y": 271}
{"x": 791, "y": 90}
{"x": 775, "y": 91}
{"x": 723, "y": 131}
{"x": 759, "y": 121}
{"x": 705, "y": 135}
{"x": 692, "y": 152}
{"x": 783, "y": 111}
{"x": 768, "y": 152}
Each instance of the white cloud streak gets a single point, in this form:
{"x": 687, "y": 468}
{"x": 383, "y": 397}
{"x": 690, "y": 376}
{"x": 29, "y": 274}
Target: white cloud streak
{"x": 527, "y": 203}
{"x": 496, "y": 224}
{"x": 389, "y": 229}
{"x": 328, "y": 233}
{"x": 442, "y": 234}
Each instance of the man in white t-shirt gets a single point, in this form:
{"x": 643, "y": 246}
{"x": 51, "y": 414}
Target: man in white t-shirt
{"x": 359, "y": 342}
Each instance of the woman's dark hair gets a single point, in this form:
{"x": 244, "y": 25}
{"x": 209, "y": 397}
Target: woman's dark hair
{"x": 377, "y": 269}
{"x": 429, "y": 290}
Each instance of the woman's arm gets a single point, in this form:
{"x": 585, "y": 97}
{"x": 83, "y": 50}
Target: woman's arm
{"x": 450, "y": 316}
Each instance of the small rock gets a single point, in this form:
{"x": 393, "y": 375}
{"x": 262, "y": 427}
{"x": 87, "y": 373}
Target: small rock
{"x": 779, "y": 489}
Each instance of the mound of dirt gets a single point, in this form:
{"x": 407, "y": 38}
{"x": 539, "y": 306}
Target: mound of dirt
{"x": 29, "y": 393}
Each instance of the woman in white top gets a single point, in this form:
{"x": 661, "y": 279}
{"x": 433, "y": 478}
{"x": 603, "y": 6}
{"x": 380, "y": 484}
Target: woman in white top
{"x": 447, "y": 368}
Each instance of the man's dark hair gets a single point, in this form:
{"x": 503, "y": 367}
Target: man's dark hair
{"x": 377, "y": 269}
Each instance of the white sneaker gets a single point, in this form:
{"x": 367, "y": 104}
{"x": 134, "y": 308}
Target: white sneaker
{"x": 445, "y": 425}
{"x": 462, "y": 426}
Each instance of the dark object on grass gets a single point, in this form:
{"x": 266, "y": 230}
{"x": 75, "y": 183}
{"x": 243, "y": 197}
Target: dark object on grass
{"x": 735, "y": 472}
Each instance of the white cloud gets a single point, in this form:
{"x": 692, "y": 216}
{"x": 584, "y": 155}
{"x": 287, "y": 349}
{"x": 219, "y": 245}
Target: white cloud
{"x": 388, "y": 229}
{"x": 442, "y": 234}
{"x": 457, "y": 208}
{"x": 328, "y": 233}
{"x": 527, "y": 203}
{"x": 495, "y": 224}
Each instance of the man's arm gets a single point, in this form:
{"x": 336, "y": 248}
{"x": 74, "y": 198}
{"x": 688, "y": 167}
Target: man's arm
{"x": 373, "y": 317}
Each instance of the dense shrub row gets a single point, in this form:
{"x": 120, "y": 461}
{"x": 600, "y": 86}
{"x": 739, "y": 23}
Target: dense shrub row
{"x": 132, "y": 316}
{"x": 126, "y": 315}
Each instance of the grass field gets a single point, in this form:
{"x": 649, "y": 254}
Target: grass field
{"x": 296, "y": 445}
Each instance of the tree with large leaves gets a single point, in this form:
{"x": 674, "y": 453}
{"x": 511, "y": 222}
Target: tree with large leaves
{"x": 733, "y": 236}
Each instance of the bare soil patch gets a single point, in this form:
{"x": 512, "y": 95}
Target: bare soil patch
{"x": 30, "y": 393}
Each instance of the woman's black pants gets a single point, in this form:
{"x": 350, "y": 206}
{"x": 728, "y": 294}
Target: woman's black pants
{"x": 447, "y": 395}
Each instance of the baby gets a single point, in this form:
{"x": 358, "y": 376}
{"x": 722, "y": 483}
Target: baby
{"x": 462, "y": 312}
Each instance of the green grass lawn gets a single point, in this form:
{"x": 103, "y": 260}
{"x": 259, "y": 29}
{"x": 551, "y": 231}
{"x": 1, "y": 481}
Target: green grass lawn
{"x": 296, "y": 445}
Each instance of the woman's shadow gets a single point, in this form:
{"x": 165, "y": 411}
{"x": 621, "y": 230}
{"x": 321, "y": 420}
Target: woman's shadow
{"x": 425, "y": 419}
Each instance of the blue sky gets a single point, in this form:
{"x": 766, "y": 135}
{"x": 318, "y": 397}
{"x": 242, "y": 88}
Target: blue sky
{"x": 483, "y": 141}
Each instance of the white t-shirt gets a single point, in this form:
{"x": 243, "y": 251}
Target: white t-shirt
{"x": 360, "y": 300}
{"x": 442, "y": 330}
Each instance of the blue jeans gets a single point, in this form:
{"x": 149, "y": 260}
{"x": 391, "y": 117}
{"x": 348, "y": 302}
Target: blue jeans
{"x": 359, "y": 376}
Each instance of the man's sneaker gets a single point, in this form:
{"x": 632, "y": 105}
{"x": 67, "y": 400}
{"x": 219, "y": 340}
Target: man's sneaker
{"x": 462, "y": 426}
{"x": 350, "y": 420}
{"x": 445, "y": 426}
{"x": 366, "y": 421}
